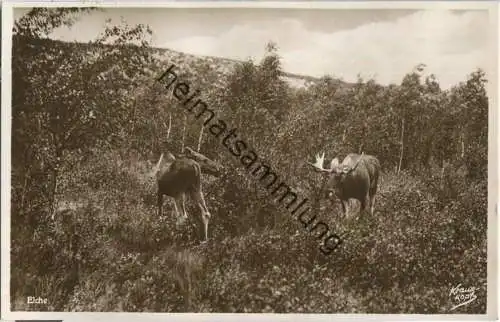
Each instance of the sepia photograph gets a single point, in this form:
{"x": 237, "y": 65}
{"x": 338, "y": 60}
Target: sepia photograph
{"x": 328, "y": 158}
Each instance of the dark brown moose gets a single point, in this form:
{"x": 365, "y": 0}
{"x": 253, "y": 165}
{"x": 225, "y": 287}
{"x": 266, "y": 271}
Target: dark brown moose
{"x": 355, "y": 178}
{"x": 183, "y": 177}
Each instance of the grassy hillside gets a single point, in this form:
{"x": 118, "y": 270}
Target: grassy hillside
{"x": 223, "y": 66}
{"x": 89, "y": 120}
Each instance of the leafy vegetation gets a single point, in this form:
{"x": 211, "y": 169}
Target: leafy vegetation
{"x": 90, "y": 119}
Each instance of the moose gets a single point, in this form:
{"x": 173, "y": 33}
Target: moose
{"x": 183, "y": 177}
{"x": 355, "y": 178}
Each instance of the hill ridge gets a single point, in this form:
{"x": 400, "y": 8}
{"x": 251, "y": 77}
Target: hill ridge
{"x": 294, "y": 79}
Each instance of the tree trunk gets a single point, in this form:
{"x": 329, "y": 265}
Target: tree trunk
{"x": 402, "y": 144}
{"x": 55, "y": 182}
{"x": 200, "y": 138}
{"x": 361, "y": 148}
{"x": 183, "y": 134}
{"x": 443, "y": 165}
{"x": 317, "y": 202}
{"x": 53, "y": 192}
{"x": 169, "y": 125}
{"x": 462, "y": 142}
{"x": 428, "y": 153}
{"x": 23, "y": 193}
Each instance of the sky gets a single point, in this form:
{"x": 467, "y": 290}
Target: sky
{"x": 380, "y": 43}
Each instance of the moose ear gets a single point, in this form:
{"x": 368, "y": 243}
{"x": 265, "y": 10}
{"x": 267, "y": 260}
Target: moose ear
{"x": 334, "y": 163}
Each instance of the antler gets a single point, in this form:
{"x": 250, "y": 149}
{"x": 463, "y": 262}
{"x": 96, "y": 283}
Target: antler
{"x": 318, "y": 164}
{"x": 156, "y": 169}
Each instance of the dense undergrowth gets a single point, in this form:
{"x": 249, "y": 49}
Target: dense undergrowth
{"x": 117, "y": 255}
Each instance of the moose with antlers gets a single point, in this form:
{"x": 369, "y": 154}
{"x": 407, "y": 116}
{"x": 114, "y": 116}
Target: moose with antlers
{"x": 355, "y": 178}
{"x": 181, "y": 177}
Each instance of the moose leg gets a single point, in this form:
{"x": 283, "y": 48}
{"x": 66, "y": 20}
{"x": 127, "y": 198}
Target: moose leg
{"x": 344, "y": 207}
{"x": 185, "y": 216}
{"x": 373, "y": 192}
{"x": 364, "y": 201}
{"x": 198, "y": 198}
{"x": 183, "y": 206}
{"x": 160, "y": 203}
{"x": 180, "y": 220}
{"x": 372, "y": 204}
